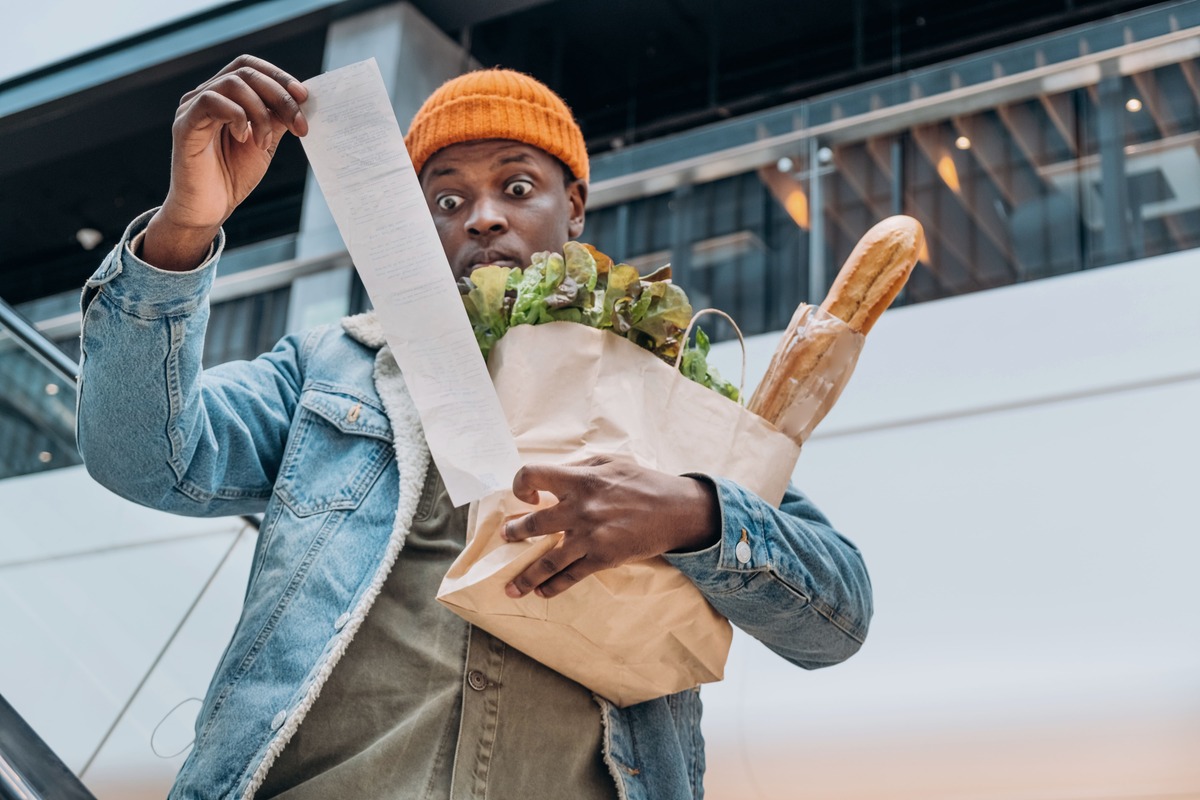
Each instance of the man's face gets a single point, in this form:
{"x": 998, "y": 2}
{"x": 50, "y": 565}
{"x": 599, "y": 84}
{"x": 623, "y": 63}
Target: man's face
{"x": 496, "y": 201}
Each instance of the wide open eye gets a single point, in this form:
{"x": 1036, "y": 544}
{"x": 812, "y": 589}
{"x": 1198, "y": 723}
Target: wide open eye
{"x": 449, "y": 202}
{"x": 519, "y": 188}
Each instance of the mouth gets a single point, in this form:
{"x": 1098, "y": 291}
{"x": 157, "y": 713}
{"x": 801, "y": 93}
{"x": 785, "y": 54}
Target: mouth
{"x": 489, "y": 258}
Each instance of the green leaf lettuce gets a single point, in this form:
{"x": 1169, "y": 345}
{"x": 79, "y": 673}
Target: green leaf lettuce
{"x": 584, "y": 285}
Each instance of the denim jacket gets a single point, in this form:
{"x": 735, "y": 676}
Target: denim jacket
{"x": 320, "y": 436}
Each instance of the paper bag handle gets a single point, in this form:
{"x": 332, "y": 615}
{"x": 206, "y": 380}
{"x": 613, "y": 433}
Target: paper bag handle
{"x": 687, "y": 335}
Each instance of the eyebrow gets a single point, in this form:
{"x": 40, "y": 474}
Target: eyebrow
{"x": 513, "y": 158}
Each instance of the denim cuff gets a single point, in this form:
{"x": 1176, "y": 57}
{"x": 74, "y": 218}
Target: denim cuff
{"x": 146, "y": 291}
{"x": 721, "y": 566}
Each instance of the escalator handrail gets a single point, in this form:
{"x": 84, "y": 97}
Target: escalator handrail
{"x": 29, "y": 769}
{"x": 41, "y": 348}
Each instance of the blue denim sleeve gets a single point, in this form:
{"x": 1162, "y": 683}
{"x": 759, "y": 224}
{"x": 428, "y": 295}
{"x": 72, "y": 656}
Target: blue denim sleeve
{"x": 152, "y": 426}
{"x": 795, "y": 584}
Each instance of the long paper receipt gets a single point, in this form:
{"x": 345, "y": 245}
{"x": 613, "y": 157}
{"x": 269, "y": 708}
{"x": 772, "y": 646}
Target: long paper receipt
{"x": 364, "y": 171}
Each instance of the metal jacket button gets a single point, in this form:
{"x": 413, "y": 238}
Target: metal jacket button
{"x": 742, "y": 551}
{"x": 477, "y": 680}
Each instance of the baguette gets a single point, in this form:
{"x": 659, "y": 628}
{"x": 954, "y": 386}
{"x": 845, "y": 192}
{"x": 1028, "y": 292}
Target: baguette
{"x": 866, "y": 285}
{"x": 875, "y": 272}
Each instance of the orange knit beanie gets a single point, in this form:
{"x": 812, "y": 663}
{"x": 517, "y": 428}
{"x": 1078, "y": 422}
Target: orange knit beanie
{"x": 497, "y": 104}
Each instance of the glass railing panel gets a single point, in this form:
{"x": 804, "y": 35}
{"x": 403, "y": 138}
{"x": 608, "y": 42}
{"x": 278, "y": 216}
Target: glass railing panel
{"x": 105, "y": 653}
{"x": 37, "y": 414}
{"x": 699, "y": 142}
{"x": 1137, "y": 167}
{"x": 1029, "y": 187}
{"x": 149, "y": 743}
{"x": 1041, "y": 186}
{"x": 244, "y": 327}
{"x": 740, "y": 243}
{"x": 1043, "y": 53}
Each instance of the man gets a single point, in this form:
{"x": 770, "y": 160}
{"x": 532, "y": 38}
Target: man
{"x": 344, "y": 678}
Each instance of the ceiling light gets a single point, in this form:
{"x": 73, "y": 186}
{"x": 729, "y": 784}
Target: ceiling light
{"x": 824, "y": 155}
{"x": 784, "y": 164}
{"x": 796, "y": 205}
{"x": 45, "y": 456}
{"x": 88, "y": 238}
{"x": 52, "y": 389}
{"x": 948, "y": 174}
{"x": 962, "y": 143}
{"x": 1133, "y": 104}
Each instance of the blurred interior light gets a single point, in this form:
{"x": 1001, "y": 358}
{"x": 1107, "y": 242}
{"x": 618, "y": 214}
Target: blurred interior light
{"x": 923, "y": 254}
{"x": 52, "y": 389}
{"x": 796, "y": 205}
{"x": 824, "y": 155}
{"x": 962, "y": 143}
{"x": 788, "y": 192}
{"x": 1133, "y": 104}
{"x": 784, "y": 164}
{"x": 948, "y": 173}
{"x": 45, "y": 456}
{"x": 88, "y": 238}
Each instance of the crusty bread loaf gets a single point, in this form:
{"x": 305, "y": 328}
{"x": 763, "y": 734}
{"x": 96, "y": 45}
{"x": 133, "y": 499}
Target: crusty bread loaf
{"x": 866, "y": 285}
{"x": 875, "y": 272}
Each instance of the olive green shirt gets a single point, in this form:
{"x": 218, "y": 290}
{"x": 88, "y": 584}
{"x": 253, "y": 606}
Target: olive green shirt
{"x": 424, "y": 706}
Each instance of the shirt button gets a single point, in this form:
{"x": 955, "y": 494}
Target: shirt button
{"x": 477, "y": 680}
{"x": 277, "y": 723}
{"x": 341, "y": 621}
{"x": 742, "y": 550}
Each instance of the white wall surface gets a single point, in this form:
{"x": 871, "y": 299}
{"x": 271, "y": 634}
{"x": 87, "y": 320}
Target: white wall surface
{"x": 1019, "y": 469}
{"x": 1016, "y": 465}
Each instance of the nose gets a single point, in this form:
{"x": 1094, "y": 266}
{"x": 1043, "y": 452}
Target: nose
{"x": 486, "y": 218}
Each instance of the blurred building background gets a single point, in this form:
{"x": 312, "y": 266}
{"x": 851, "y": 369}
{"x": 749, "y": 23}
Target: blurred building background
{"x": 1016, "y": 455}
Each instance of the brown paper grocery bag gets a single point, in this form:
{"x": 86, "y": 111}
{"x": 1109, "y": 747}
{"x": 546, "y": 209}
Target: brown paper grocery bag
{"x": 642, "y": 630}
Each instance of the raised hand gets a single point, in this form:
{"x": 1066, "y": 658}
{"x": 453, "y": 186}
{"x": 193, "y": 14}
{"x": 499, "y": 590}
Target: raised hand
{"x": 226, "y": 131}
{"x": 611, "y": 511}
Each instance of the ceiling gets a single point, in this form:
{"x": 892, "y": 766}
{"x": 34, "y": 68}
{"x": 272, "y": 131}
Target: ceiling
{"x": 630, "y": 70}
{"x": 634, "y": 70}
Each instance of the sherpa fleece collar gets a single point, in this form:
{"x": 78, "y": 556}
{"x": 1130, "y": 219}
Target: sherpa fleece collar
{"x": 365, "y": 329}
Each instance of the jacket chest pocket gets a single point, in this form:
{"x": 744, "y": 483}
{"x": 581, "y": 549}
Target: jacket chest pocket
{"x": 337, "y": 448}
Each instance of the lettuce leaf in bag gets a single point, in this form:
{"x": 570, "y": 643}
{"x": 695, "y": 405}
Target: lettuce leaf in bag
{"x": 584, "y": 285}
{"x": 668, "y": 313}
{"x": 695, "y": 366}
{"x": 620, "y": 294}
{"x": 538, "y": 281}
{"x": 484, "y": 295}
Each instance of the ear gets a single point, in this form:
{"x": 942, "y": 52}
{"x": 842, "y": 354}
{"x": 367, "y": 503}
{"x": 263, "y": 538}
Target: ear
{"x": 577, "y": 192}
